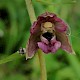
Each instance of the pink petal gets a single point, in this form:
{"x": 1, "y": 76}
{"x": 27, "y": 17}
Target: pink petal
{"x": 35, "y": 28}
{"x": 65, "y": 44}
{"x": 53, "y": 40}
{"x": 47, "y": 16}
{"x": 60, "y": 25}
{"x": 32, "y": 45}
{"x": 43, "y": 47}
{"x": 55, "y": 47}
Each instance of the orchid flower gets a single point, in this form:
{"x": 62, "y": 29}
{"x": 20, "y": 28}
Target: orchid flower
{"x": 48, "y": 33}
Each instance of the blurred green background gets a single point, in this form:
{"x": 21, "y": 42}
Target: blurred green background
{"x": 14, "y": 33}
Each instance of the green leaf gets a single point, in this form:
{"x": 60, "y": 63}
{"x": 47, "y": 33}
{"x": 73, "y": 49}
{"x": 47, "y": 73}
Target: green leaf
{"x": 12, "y": 57}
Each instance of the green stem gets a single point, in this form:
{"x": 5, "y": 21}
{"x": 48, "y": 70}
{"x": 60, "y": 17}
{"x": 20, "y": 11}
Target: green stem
{"x": 40, "y": 54}
{"x": 42, "y": 65}
{"x": 30, "y": 11}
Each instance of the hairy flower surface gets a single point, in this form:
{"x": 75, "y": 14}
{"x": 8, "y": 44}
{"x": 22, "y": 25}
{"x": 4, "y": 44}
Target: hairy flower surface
{"x": 48, "y": 33}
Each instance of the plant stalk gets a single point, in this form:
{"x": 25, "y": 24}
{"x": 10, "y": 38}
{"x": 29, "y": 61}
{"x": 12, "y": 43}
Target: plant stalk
{"x": 40, "y": 53}
{"x": 30, "y": 11}
{"x": 42, "y": 65}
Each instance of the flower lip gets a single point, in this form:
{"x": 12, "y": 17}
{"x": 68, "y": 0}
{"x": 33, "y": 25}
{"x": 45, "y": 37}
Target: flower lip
{"x": 48, "y": 36}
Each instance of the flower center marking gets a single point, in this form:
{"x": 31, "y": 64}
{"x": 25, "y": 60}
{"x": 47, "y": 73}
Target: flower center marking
{"x": 48, "y": 36}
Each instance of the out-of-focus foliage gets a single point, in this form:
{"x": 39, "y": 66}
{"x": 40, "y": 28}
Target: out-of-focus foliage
{"x": 14, "y": 33}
